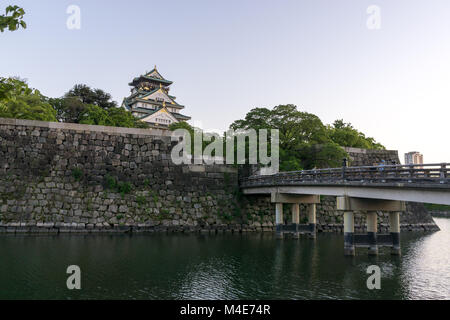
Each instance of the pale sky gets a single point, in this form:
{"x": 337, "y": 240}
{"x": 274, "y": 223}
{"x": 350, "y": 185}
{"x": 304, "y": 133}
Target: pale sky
{"x": 226, "y": 57}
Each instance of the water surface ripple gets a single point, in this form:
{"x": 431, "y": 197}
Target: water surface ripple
{"x": 250, "y": 266}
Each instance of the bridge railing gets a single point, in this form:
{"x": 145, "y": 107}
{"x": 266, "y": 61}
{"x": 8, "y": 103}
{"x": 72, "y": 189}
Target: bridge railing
{"x": 424, "y": 173}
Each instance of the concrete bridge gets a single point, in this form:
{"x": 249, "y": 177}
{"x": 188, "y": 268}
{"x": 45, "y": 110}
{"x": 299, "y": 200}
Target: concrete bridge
{"x": 368, "y": 189}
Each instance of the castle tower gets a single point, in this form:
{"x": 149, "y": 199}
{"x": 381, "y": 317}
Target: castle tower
{"x": 150, "y": 100}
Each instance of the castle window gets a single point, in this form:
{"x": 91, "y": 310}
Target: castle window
{"x": 164, "y": 121}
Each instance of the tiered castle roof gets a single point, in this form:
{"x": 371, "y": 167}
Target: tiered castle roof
{"x": 150, "y": 100}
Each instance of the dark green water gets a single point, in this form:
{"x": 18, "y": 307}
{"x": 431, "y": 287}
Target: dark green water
{"x": 220, "y": 267}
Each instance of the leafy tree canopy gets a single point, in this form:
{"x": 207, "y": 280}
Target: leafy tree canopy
{"x": 120, "y": 117}
{"x": 88, "y": 95}
{"x": 305, "y": 142}
{"x": 345, "y": 135}
{"x": 19, "y": 101}
{"x": 182, "y": 125}
{"x": 12, "y": 19}
{"x": 73, "y": 110}
{"x": 296, "y": 128}
{"x": 68, "y": 109}
{"x": 93, "y": 114}
{"x": 93, "y": 106}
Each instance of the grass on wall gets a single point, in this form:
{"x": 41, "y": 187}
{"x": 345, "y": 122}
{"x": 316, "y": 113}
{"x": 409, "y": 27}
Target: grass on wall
{"x": 437, "y": 207}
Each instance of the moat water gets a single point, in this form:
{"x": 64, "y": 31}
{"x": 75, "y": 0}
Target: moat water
{"x": 251, "y": 266}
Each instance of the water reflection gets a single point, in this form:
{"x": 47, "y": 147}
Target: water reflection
{"x": 253, "y": 266}
{"x": 426, "y": 268}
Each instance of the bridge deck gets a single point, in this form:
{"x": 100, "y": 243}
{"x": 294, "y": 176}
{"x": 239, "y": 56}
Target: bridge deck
{"x": 425, "y": 183}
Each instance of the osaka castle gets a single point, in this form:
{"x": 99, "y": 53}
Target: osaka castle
{"x": 151, "y": 102}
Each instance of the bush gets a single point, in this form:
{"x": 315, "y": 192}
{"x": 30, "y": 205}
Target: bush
{"x": 110, "y": 182}
{"x": 118, "y": 186}
{"x": 140, "y": 200}
{"x": 77, "y": 174}
{"x": 436, "y": 207}
{"x": 124, "y": 187}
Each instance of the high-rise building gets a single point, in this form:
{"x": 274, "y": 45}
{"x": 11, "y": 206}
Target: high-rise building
{"x": 413, "y": 157}
{"x": 150, "y": 100}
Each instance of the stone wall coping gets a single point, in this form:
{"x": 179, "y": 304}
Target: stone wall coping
{"x": 368, "y": 151}
{"x": 163, "y": 134}
{"x": 85, "y": 127}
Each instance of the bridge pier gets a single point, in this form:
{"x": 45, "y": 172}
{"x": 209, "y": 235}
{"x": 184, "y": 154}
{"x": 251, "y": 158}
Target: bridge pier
{"x": 296, "y": 228}
{"x": 394, "y": 228}
{"x": 312, "y": 220}
{"x": 295, "y": 219}
{"x": 279, "y": 220}
{"x": 371, "y": 240}
{"x": 371, "y": 219}
{"x": 349, "y": 230}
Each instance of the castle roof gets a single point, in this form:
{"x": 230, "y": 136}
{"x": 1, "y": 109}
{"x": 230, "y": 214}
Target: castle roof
{"x": 150, "y": 100}
{"x": 153, "y": 75}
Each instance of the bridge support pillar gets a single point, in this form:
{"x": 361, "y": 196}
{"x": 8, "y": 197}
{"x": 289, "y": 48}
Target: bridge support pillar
{"x": 371, "y": 218}
{"x": 394, "y": 226}
{"x": 279, "y": 220}
{"x": 295, "y": 200}
{"x": 349, "y": 231}
{"x": 312, "y": 220}
{"x": 295, "y": 219}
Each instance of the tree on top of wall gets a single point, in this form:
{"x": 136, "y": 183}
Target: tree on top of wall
{"x": 18, "y": 100}
{"x": 85, "y": 105}
{"x": 346, "y": 135}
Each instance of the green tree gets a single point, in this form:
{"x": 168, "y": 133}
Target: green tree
{"x": 87, "y": 106}
{"x": 305, "y": 142}
{"x": 327, "y": 155}
{"x": 88, "y": 95}
{"x": 68, "y": 109}
{"x": 19, "y": 101}
{"x": 114, "y": 117}
{"x": 182, "y": 125}
{"x": 10, "y": 87}
{"x": 119, "y": 117}
{"x": 298, "y": 132}
{"x": 93, "y": 114}
{"x": 344, "y": 134}
{"x": 296, "y": 128}
{"x": 12, "y": 19}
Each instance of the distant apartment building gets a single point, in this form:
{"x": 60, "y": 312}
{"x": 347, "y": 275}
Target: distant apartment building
{"x": 413, "y": 157}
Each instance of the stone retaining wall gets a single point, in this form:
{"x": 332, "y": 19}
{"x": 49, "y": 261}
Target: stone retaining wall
{"x": 57, "y": 178}
{"x": 365, "y": 157}
{"x": 440, "y": 214}
{"x": 61, "y": 177}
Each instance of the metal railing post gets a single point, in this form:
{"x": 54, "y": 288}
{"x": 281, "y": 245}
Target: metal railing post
{"x": 344, "y": 166}
{"x": 443, "y": 174}
{"x": 411, "y": 172}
